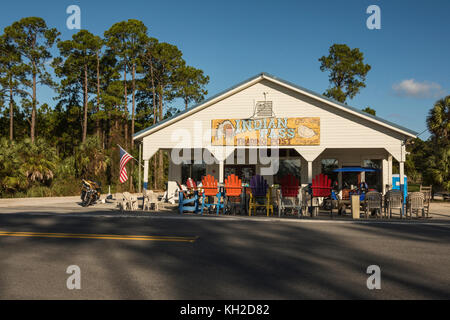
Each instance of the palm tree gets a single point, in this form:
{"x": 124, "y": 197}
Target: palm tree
{"x": 25, "y": 164}
{"x": 438, "y": 162}
{"x": 10, "y": 180}
{"x": 438, "y": 168}
{"x": 438, "y": 120}
{"x": 39, "y": 161}
{"x": 90, "y": 160}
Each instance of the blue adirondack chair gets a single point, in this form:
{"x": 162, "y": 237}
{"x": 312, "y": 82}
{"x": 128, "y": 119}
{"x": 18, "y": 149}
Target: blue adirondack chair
{"x": 260, "y": 195}
{"x": 187, "y": 202}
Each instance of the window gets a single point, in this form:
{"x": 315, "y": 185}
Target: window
{"x": 288, "y": 166}
{"x": 373, "y": 179}
{"x": 350, "y": 180}
{"x": 328, "y": 165}
{"x": 192, "y": 170}
{"x": 244, "y": 172}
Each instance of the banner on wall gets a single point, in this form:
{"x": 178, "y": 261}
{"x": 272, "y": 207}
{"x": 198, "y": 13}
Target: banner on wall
{"x": 266, "y": 131}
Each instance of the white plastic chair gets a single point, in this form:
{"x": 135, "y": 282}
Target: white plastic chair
{"x": 121, "y": 201}
{"x": 373, "y": 201}
{"x": 131, "y": 201}
{"x": 150, "y": 198}
{"x": 415, "y": 202}
{"x": 393, "y": 201}
{"x": 171, "y": 195}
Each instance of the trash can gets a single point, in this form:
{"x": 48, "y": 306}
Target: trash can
{"x": 355, "y": 205}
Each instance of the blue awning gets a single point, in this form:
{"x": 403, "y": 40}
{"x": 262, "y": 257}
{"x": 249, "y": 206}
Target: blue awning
{"x": 355, "y": 169}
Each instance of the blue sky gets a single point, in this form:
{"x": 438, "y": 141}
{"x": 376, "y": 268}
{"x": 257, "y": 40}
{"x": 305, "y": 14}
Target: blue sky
{"x": 234, "y": 40}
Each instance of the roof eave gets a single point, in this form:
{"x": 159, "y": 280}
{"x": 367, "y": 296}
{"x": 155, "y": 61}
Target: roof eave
{"x": 344, "y": 107}
{"x": 242, "y": 85}
{"x": 217, "y": 97}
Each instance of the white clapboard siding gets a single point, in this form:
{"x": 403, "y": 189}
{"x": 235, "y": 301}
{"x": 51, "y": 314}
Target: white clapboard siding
{"x": 338, "y": 128}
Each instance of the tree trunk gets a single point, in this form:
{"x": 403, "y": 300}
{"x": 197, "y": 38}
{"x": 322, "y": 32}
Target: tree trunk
{"x": 33, "y": 110}
{"x": 11, "y": 112}
{"x": 160, "y": 100}
{"x": 133, "y": 104}
{"x": 85, "y": 94}
{"x": 161, "y": 160}
{"x": 154, "y": 93}
{"x": 107, "y": 131}
{"x": 125, "y": 106}
{"x": 133, "y": 85}
{"x": 155, "y": 166}
{"x": 97, "y": 121}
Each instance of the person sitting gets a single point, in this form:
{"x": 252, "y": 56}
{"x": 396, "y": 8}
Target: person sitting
{"x": 363, "y": 187}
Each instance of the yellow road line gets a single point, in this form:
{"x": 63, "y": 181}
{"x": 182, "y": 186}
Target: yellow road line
{"x": 97, "y": 236}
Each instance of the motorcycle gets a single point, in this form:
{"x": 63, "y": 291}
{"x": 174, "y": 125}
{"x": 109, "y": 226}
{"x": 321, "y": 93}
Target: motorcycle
{"x": 90, "y": 192}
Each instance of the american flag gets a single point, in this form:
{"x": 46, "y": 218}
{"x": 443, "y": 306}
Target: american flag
{"x": 124, "y": 158}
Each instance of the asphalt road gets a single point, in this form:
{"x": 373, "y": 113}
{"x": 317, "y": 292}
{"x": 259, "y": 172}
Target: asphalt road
{"x": 226, "y": 259}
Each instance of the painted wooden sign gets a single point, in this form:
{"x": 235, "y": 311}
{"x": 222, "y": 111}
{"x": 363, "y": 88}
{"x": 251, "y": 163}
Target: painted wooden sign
{"x": 266, "y": 131}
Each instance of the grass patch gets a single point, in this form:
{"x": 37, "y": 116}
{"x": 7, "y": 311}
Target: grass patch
{"x": 414, "y": 187}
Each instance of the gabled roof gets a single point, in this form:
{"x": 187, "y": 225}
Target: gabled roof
{"x": 265, "y": 76}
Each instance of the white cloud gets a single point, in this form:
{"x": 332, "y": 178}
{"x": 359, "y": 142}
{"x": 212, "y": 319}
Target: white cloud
{"x": 413, "y": 88}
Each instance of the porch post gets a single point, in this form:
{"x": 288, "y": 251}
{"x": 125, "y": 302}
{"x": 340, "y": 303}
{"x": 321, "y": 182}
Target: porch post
{"x": 221, "y": 154}
{"x": 310, "y": 171}
{"x": 385, "y": 175}
{"x": 147, "y": 152}
{"x": 145, "y": 174}
{"x": 402, "y": 182}
{"x": 390, "y": 170}
{"x": 362, "y": 174}
{"x": 221, "y": 171}
{"x": 309, "y": 153}
{"x": 340, "y": 174}
{"x": 140, "y": 161}
{"x": 402, "y": 172}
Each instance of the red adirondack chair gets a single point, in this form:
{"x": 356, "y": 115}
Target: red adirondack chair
{"x": 233, "y": 191}
{"x": 289, "y": 197}
{"x": 191, "y": 185}
{"x": 181, "y": 190}
{"x": 209, "y": 185}
{"x": 233, "y": 186}
{"x": 289, "y": 186}
{"x": 321, "y": 187}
